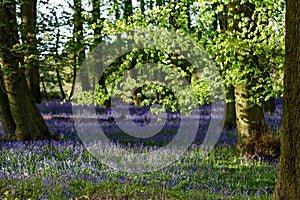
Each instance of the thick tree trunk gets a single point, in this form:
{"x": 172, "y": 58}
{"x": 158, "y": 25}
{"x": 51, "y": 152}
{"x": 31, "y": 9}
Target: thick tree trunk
{"x": 28, "y": 121}
{"x": 288, "y": 181}
{"x": 6, "y": 118}
{"x": 29, "y": 30}
{"x": 250, "y": 122}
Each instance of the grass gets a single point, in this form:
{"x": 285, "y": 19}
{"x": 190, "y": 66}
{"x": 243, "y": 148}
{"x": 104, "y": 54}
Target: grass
{"x": 65, "y": 170}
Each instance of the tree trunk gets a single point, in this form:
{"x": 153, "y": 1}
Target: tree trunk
{"x": 250, "y": 122}
{"x": 28, "y": 121}
{"x": 270, "y": 106}
{"x": 251, "y": 125}
{"x": 74, "y": 73}
{"x": 230, "y": 117}
{"x": 288, "y": 181}
{"x": 61, "y": 89}
{"x": 6, "y": 118}
{"x": 128, "y": 8}
{"x": 44, "y": 89}
{"x": 117, "y": 9}
{"x": 29, "y": 30}
{"x": 142, "y": 6}
{"x": 80, "y": 46}
{"x": 159, "y": 2}
{"x": 59, "y": 79}
{"x": 97, "y": 21}
{"x": 220, "y": 23}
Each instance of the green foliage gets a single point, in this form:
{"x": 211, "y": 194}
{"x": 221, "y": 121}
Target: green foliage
{"x": 251, "y": 48}
{"x": 247, "y": 48}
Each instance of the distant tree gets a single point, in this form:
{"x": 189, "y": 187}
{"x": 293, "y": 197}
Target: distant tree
{"x": 221, "y": 23}
{"x": 19, "y": 114}
{"x": 97, "y": 22}
{"x": 288, "y": 181}
{"x": 57, "y": 57}
{"x": 79, "y": 40}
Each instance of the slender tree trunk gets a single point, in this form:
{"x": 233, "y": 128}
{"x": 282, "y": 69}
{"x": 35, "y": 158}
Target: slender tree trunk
{"x": 80, "y": 46}
{"x": 44, "y": 88}
{"x": 230, "y": 117}
{"x": 29, "y": 123}
{"x": 74, "y": 74}
{"x": 97, "y": 21}
{"x": 159, "y": 2}
{"x": 270, "y": 106}
{"x": 29, "y": 30}
{"x": 128, "y": 8}
{"x": 59, "y": 80}
{"x": 142, "y": 5}
{"x": 220, "y": 23}
{"x": 151, "y": 2}
{"x": 288, "y": 181}
{"x": 117, "y": 9}
{"x": 63, "y": 95}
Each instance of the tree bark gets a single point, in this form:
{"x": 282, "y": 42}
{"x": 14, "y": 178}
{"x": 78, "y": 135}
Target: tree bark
{"x": 27, "y": 120}
{"x": 270, "y": 106}
{"x": 128, "y": 8}
{"x": 288, "y": 181}
{"x": 79, "y": 44}
{"x": 59, "y": 79}
{"x": 29, "y": 31}
{"x": 97, "y": 21}
{"x": 251, "y": 123}
{"x": 230, "y": 117}
{"x": 6, "y": 118}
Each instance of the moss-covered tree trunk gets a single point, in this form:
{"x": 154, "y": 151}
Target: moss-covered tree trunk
{"x": 251, "y": 123}
{"x": 288, "y": 181}
{"x": 22, "y": 119}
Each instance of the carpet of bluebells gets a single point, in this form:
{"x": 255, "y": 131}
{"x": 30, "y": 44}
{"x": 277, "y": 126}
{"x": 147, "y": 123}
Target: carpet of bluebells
{"x": 64, "y": 169}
